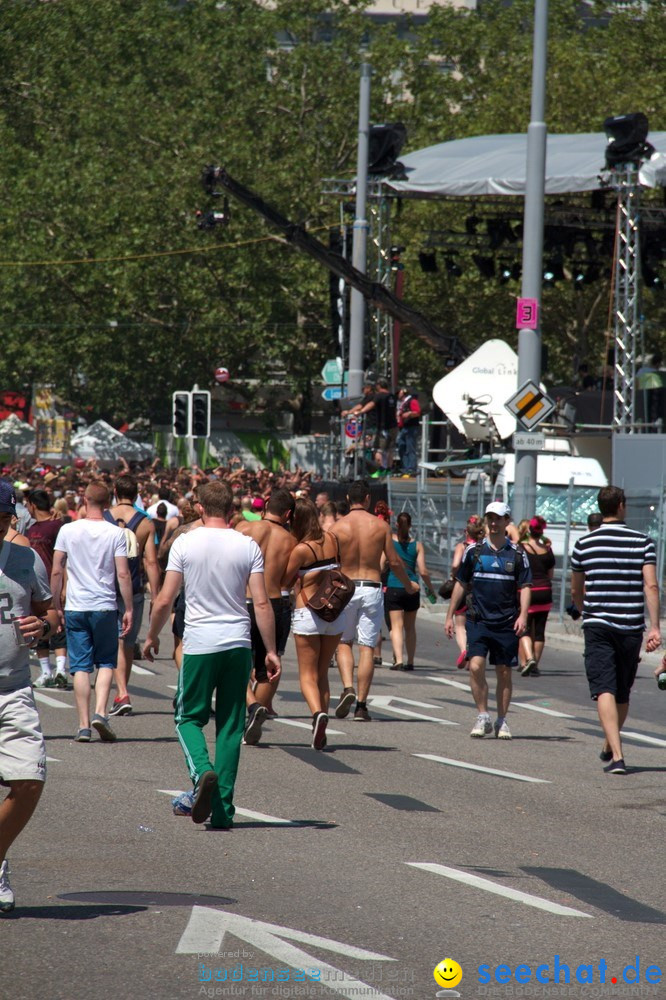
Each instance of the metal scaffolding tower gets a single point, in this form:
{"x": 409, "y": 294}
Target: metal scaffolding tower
{"x": 627, "y": 288}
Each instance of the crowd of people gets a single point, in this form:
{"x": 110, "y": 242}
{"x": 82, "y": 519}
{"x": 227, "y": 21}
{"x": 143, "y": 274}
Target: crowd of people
{"x": 76, "y": 576}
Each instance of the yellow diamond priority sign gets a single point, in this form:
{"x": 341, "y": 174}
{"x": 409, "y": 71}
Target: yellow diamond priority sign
{"x": 530, "y": 405}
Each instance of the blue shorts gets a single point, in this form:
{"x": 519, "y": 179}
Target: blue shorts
{"x": 499, "y": 644}
{"x": 138, "y": 601}
{"x": 92, "y": 639}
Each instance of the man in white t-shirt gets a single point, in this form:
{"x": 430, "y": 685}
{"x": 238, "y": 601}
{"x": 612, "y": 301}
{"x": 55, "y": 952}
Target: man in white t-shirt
{"x": 216, "y": 565}
{"x": 164, "y": 496}
{"x": 94, "y": 553}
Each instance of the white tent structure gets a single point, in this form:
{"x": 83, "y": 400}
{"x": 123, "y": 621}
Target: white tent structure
{"x": 496, "y": 165}
{"x": 16, "y": 437}
{"x": 105, "y": 443}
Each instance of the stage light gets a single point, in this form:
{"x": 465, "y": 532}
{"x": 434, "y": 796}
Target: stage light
{"x": 486, "y": 265}
{"x": 553, "y": 273}
{"x": 428, "y": 261}
{"x": 384, "y": 145}
{"x": 453, "y": 267}
{"x": 627, "y": 136}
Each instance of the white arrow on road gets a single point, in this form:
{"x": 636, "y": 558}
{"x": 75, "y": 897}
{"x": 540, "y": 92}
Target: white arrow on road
{"x": 207, "y": 927}
{"x": 383, "y": 702}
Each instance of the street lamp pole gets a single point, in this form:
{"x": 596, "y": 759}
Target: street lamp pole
{"x": 360, "y": 237}
{"x": 529, "y": 341}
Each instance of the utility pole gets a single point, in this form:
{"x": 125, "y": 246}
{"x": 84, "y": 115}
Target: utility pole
{"x": 529, "y": 341}
{"x": 359, "y": 244}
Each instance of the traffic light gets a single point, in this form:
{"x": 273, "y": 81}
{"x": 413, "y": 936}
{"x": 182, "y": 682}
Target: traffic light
{"x": 201, "y": 414}
{"x": 181, "y": 414}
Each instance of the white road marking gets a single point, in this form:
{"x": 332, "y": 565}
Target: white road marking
{"x": 476, "y": 767}
{"x": 53, "y": 760}
{"x": 206, "y": 929}
{"x": 383, "y": 703}
{"x": 45, "y": 699}
{"x": 626, "y": 735}
{"x": 136, "y": 669}
{"x": 453, "y": 684}
{"x": 500, "y": 890}
{"x": 544, "y": 711}
{"x": 304, "y": 725}
{"x": 248, "y": 813}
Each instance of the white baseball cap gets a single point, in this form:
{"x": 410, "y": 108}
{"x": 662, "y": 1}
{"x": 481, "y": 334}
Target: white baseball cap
{"x": 499, "y": 508}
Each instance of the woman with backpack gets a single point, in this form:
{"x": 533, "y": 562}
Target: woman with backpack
{"x": 316, "y": 640}
{"x": 401, "y": 605}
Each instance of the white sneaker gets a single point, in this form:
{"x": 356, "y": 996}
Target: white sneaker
{"x": 6, "y": 894}
{"x": 502, "y": 732}
{"x": 44, "y": 681}
{"x": 482, "y": 727}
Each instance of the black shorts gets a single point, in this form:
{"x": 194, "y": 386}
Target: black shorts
{"x": 536, "y": 626}
{"x": 397, "y": 599}
{"x": 611, "y": 660}
{"x": 499, "y": 644}
{"x": 57, "y": 641}
{"x": 178, "y": 627}
{"x": 282, "y": 611}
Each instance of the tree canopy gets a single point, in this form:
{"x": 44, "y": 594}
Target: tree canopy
{"x": 109, "y": 111}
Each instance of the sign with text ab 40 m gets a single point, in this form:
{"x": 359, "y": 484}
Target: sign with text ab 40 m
{"x": 530, "y": 405}
{"x": 524, "y": 441}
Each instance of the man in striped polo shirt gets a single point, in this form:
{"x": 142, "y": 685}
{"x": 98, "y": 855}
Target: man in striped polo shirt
{"x": 614, "y": 578}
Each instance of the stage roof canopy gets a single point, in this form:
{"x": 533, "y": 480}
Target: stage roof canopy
{"x": 495, "y": 164}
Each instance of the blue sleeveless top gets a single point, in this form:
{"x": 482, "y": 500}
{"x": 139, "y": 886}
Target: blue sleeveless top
{"x": 407, "y": 552}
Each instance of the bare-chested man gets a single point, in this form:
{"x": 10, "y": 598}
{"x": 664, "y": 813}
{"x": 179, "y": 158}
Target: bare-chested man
{"x": 273, "y": 538}
{"x": 125, "y": 514}
{"x": 363, "y": 538}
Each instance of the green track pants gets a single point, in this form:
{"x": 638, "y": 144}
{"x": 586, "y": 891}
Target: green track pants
{"x": 225, "y": 674}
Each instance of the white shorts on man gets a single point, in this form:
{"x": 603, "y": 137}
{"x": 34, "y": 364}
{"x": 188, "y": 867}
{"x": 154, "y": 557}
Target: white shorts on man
{"x": 363, "y": 617}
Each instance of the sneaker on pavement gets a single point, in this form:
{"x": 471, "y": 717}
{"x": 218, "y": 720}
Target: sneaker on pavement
{"x": 482, "y": 727}
{"x": 529, "y": 667}
{"x": 45, "y": 681}
{"x": 462, "y": 660}
{"x": 101, "y": 725}
{"x": 616, "y": 767}
{"x": 408, "y": 666}
{"x": 61, "y": 680}
{"x": 6, "y": 892}
{"x": 395, "y": 666}
{"x": 606, "y": 756}
{"x": 347, "y": 699}
{"x": 182, "y": 804}
{"x": 319, "y": 724}
{"x": 257, "y": 715}
{"x": 83, "y": 736}
{"x": 203, "y": 794}
{"x": 502, "y": 732}
{"x": 121, "y": 706}
{"x": 361, "y": 714}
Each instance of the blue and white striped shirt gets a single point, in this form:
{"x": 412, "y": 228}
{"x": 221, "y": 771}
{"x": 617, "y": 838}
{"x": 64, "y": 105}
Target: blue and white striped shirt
{"x": 612, "y": 559}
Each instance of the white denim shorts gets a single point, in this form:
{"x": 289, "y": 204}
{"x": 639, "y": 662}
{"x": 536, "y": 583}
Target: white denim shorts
{"x": 22, "y": 747}
{"x": 363, "y": 616}
{"x": 306, "y": 622}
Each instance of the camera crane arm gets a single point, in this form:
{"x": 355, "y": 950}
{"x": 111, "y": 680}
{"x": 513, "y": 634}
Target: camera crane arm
{"x": 375, "y": 293}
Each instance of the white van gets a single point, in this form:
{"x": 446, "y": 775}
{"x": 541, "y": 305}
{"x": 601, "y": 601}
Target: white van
{"x": 554, "y": 472}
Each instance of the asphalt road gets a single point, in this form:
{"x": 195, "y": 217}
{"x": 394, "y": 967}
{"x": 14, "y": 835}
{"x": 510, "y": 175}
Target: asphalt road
{"x": 404, "y": 843}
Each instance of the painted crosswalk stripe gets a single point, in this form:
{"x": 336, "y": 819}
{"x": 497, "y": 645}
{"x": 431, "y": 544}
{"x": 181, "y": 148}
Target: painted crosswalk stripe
{"x": 543, "y": 711}
{"x": 304, "y": 725}
{"x": 476, "y": 882}
{"x": 53, "y": 760}
{"x": 45, "y": 699}
{"x": 248, "y": 813}
{"x": 136, "y": 669}
{"x": 652, "y": 740}
{"x": 449, "y": 683}
{"x": 384, "y": 704}
{"x": 477, "y": 767}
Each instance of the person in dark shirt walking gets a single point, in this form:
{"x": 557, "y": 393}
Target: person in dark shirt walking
{"x": 495, "y": 575}
{"x": 614, "y": 577}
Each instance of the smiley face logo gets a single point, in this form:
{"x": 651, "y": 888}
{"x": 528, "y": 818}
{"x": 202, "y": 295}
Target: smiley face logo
{"x": 447, "y": 973}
